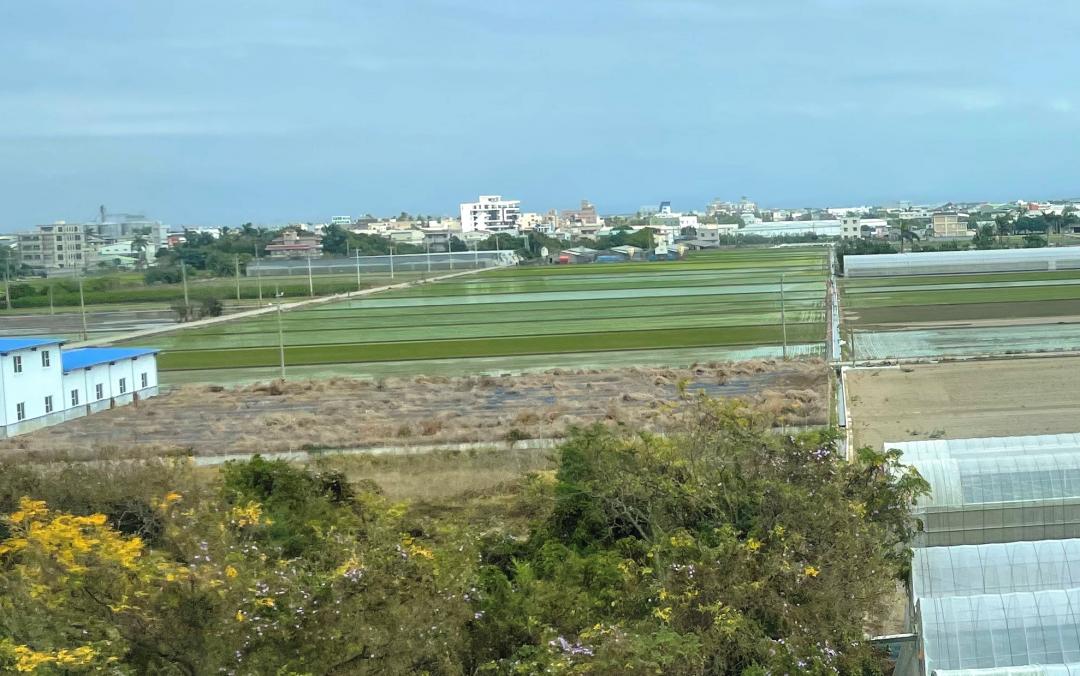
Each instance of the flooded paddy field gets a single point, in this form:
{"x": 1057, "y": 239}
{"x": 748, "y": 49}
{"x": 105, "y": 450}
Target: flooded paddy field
{"x": 932, "y": 316}
{"x": 720, "y": 306}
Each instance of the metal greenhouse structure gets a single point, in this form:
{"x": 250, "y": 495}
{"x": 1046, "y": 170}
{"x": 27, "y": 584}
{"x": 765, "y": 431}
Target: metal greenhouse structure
{"x": 984, "y": 490}
{"x": 961, "y": 262}
{"x": 995, "y": 575}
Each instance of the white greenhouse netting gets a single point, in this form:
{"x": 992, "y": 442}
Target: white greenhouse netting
{"x": 999, "y": 498}
{"x": 1030, "y": 670}
{"x": 942, "y": 449}
{"x": 959, "y": 262}
{"x": 995, "y": 568}
{"x": 1000, "y": 630}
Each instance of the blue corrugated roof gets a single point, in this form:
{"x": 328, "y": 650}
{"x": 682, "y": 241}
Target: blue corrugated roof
{"x": 84, "y": 357}
{"x": 9, "y": 344}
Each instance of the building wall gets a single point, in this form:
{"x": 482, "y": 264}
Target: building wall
{"x": 32, "y": 385}
{"x": 52, "y": 380}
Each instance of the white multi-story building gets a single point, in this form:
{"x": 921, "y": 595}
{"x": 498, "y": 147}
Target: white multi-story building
{"x": 490, "y": 212}
{"x": 42, "y": 384}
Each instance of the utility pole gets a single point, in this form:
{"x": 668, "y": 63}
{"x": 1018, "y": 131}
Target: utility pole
{"x": 391, "y": 261}
{"x": 237, "y": 278}
{"x": 7, "y": 282}
{"x": 358, "y": 285}
{"x": 82, "y": 309}
{"x": 310, "y": 282}
{"x": 258, "y": 271}
{"x": 476, "y": 254}
{"x": 783, "y": 316}
{"x": 281, "y": 341}
{"x": 428, "y": 245}
{"x": 183, "y": 278}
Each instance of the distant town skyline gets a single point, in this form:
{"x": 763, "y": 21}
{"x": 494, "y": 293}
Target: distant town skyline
{"x": 279, "y": 112}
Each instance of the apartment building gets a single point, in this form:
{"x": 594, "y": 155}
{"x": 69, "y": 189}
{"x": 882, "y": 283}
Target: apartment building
{"x": 59, "y": 246}
{"x": 950, "y": 224}
{"x": 490, "y": 212}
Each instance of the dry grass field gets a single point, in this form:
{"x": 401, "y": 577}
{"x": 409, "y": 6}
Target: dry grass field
{"x": 339, "y": 413}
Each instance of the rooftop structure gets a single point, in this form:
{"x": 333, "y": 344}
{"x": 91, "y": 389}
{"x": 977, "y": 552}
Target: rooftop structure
{"x": 822, "y": 228}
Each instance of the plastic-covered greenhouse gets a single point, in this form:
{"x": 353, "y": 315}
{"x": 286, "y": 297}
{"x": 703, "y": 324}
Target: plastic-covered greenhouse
{"x": 995, "y": 568}
{"x": 1029, "y": 670}
{"x": 1000, "y": 630}
{"x": 999, "y": 497}
{"x": 959, "y": 262}
{"x": 941, "y": 449}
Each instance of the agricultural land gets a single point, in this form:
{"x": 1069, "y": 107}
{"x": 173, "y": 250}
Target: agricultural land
{"x": 932, "y": 316}
{"x": 713, "y": 307}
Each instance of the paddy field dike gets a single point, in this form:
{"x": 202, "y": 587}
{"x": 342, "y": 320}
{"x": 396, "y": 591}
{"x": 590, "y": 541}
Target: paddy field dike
{"x": 715, "y": 306}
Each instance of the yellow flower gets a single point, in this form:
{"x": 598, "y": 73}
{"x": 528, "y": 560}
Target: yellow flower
{"x": 810, "y": 571}
{"x": 230, "y": 572}
{"x": 240, "y": 616}
{"x": 170, "y": 498}
{"x": 249, "y": 515}
{"x": 266, "y": 602}
{"x": 753, "y": 544}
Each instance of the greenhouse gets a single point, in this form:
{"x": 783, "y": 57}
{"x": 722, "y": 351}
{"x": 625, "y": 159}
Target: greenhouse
{"x": 991, "y": 631}
{"x": 1001, "y": 568}
{"x": 1072, "y": 669}
{"x": 999, "y": 497}
{"x": 942, "y": 449}
{"x": 960, "y": 262}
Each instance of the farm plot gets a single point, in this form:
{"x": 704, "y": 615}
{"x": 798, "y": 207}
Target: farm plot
{"x": 729, "y": 301}
{"x": 962, "y": 315}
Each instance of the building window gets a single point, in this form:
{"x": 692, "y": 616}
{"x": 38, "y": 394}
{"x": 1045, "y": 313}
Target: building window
{"x": 44, "y": 357}
{"x": 145, "y": 380}
{"x": 17, "y": 363}
{"x": 99, "y": 391}
{"x": 48, "y": 404}
{"x": 123, "y": 385}
{"x": 74, "y": 397}
{"x": 20, "y": 411}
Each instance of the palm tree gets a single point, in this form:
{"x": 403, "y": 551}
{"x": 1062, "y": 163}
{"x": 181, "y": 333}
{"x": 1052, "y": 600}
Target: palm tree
{"x": 138, "y": 245}
{"x": 906, "y": 234}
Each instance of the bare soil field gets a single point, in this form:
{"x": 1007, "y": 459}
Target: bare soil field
{"x": 965, "y": 399}
{"x": 339, "y": 413}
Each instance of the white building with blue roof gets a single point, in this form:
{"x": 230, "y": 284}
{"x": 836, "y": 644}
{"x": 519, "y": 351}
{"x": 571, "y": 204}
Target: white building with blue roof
{"x": 42, "y": 384}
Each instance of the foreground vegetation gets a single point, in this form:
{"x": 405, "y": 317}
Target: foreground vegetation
{"x": 723, "y": 549}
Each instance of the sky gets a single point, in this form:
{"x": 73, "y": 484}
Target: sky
{"x": 211, "y": 112}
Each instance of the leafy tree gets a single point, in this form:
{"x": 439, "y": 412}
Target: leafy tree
{"x": 984, "y": 238}
{"x": 907, "y": 234}
{"x": 723, "y": 549}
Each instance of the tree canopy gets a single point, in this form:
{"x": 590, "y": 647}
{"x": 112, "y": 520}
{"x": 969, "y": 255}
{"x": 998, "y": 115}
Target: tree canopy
{"x": 721, "y": 548}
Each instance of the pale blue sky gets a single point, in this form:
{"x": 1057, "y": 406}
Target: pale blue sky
{"x": 211, "y": 111}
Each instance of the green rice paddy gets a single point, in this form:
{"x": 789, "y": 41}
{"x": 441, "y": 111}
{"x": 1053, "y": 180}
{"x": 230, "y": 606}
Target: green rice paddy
{"x": 718, "y": 300}
{"x": 962, "y": 315}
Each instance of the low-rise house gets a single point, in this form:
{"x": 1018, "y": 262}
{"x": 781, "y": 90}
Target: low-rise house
{"x": 295, "y": 244}
{"x": 42, "y": 384}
